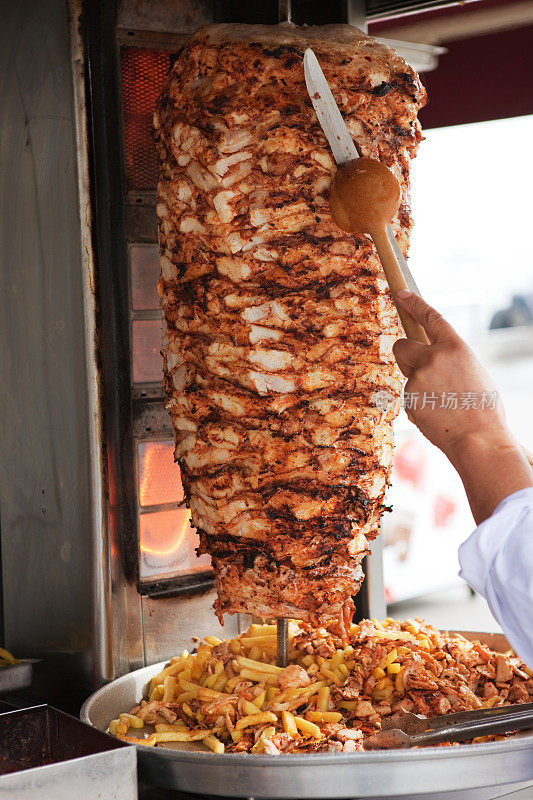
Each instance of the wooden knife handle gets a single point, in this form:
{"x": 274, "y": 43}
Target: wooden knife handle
{"x": 413, "y": 329}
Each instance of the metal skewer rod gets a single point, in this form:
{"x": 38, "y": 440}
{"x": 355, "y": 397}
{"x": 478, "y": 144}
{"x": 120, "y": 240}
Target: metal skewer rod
{"x": 282, "y": 630}
{"x": 284, "y": 10}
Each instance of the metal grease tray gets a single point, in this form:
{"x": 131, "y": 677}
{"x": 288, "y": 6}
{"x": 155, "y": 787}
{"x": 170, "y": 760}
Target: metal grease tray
{"x": 17, "y": 676}
{"x": 48, "y": 754}
{"x": 473, "y": 771}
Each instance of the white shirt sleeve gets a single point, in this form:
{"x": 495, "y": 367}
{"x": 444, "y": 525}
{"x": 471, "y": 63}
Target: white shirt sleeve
{"x": 497, "y": 561}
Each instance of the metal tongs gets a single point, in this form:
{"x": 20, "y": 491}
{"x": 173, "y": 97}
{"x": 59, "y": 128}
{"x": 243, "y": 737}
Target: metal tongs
{"x": 411, "y": 730}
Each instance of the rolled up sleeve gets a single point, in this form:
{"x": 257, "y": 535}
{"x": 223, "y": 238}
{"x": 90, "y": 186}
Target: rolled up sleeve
{"x": 497, "y": 561}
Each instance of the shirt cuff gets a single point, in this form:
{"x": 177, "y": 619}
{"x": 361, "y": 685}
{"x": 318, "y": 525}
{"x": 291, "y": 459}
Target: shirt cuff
{"x": 477, "y": 553}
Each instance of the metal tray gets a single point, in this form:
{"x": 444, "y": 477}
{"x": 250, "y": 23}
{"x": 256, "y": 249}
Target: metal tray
{"x": 17, "y": 676}
{"x": 47, "y": 754}
{"x": 317, "y": 775}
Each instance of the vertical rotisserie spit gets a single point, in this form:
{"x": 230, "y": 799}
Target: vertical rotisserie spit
{"x": 278, "y": 326}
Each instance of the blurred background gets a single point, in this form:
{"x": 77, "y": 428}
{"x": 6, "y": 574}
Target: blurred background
{"x": 472, "y": 258}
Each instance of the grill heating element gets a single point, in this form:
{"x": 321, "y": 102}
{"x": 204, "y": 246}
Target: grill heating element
{"x": 142, "y": 74}
{"x": 166, "y": 541}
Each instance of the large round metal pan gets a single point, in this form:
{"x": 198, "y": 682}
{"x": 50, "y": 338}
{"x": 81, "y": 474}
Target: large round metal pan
{"x": 316, "y": 775}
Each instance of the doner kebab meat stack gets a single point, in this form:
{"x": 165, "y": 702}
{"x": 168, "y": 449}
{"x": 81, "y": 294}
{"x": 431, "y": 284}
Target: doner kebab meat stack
{"x": 278, "y": 326}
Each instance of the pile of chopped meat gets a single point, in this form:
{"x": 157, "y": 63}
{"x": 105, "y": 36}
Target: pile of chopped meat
{"x": 230, "y": 695}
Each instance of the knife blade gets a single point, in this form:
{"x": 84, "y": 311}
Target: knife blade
{"x": 340, "y": 140}
{"x": 327, "y": 111}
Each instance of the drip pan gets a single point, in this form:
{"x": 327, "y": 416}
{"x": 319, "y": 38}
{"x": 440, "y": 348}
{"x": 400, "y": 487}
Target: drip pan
{"x": 47, "y": 754}
{"x": 430, "y": 771}
{"x": 17, "y": 676}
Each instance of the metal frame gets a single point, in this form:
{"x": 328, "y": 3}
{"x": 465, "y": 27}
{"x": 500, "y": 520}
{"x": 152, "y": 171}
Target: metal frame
{"x": 144, "y": 620}
{"x": 382, "y": 9}
{"x": 121, "y": 629}
{"x": 113, "y": 256}
{"x": 94, "y": 385}
{"x": 110, "y": 246}
{"x": 145, "y": 392}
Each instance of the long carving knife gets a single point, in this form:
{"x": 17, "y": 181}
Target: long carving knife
{"x": 340, "y": 140}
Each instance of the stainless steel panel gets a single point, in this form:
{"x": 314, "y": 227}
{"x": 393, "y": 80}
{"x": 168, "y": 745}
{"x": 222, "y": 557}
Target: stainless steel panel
{"x": 374, "y": 584}
{"x": 380, "y": 9}
{"x": 144, "y": 274}
{"x": 63, "y": 580}
{"x": 45, "y": 467}
{"x": 356, "y": 14}
{"x": 169, "y": 16}
{"x": 110, "y": 653}
{"x": 468, "y": 772}
{"x": 169, "y": 624}
{"x": 16, "y": 676}
{"x": 141, "y": 223}
{"x": 102, "y": 776}
{"x": 151, "y": 420}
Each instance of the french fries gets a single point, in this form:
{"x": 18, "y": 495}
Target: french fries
{"x": 249, "y": 708}
{"x": 258, "y": 666}
{"x": 259, "y": 701}
{"x": 289, "y": 723}
{"x": 181, "y": 736}
{"x": 259, "y": 746}
{"x": 132, "y": 721}
{"x": 389, "y": 658}
{"x": 213, "y": 743}
{"x": 167, "y": 736}
{"x": 169, "y": 688}
{"x": 324, "y": 716}
{"x": 323, "y": 698}
{"x": 256, "y": 719}
{"x": 164, "y": 727}
{"x": 7, "y": 659}
{"x": 173, "y": 670}
{"x": 309, "y": 729}
{"x": 211, "y": 694}
{"x": 348, "y": 705}
{"x": 256, "y": 675}
{"x": 263, "y": 642}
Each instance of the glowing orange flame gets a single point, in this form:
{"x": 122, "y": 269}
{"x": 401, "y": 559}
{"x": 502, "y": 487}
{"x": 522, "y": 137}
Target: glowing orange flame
{"x": 163, "y": 532}
{"x": 166, "y": 538}
{"x": 159, "y": 476}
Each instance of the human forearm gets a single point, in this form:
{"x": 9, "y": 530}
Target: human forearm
{"x": 474, "y": 436}
{"x": 491, "y": 465}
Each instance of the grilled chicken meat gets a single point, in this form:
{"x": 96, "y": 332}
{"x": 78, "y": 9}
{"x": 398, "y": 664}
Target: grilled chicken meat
{"x": 278, "y": 326}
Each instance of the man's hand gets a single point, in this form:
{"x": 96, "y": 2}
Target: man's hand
{"x": 476, "y": 439}
{"x": 446, "y": 370}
